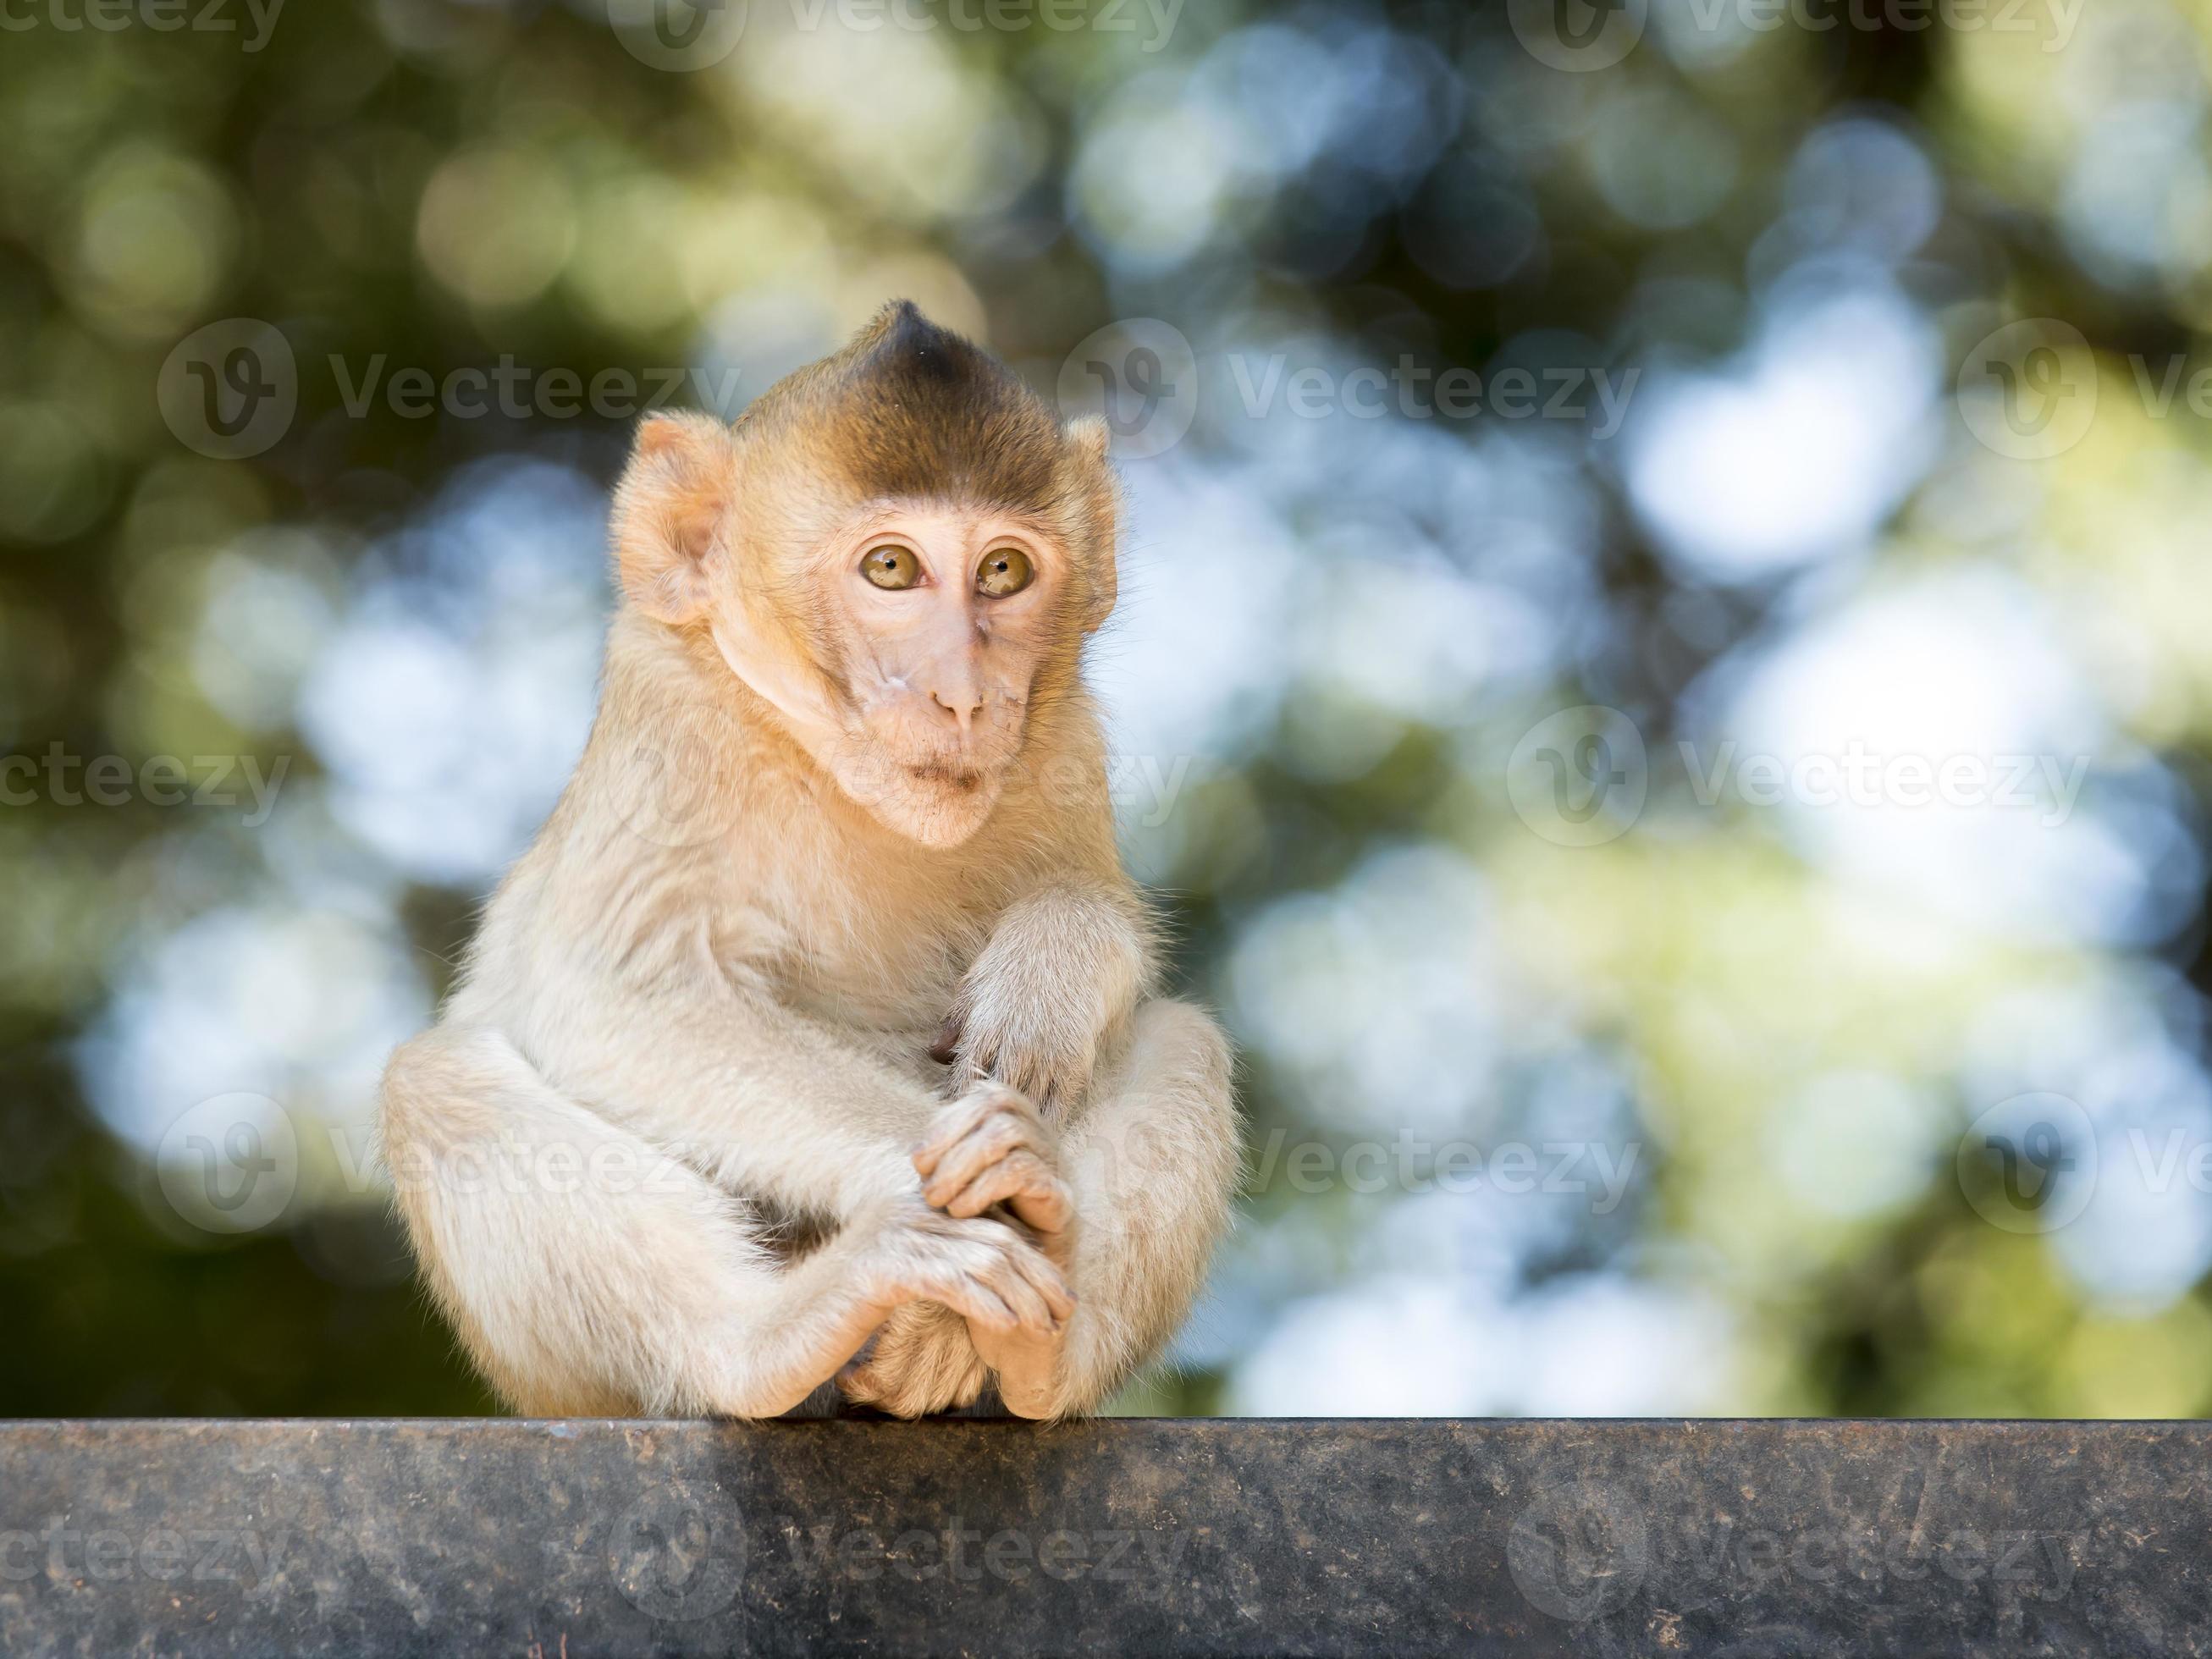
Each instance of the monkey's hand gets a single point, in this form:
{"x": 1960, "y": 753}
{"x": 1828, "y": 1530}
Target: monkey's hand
{"x": 1060, "y": 970}
{"x": 983, "y": 1269}
{"x": 991, "y": 1148}
{"x": 954, "y": 1277}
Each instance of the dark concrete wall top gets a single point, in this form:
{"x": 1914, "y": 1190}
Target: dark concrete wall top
{"x": 546, "y": 1539}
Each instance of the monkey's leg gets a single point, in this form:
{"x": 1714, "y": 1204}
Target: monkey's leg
{"x": 1129, "y": 1198}
{"x": 589, "y": 1272}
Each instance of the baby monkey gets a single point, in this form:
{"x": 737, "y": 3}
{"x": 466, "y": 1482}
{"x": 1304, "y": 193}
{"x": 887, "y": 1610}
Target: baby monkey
{"x": 685, "y": 1140}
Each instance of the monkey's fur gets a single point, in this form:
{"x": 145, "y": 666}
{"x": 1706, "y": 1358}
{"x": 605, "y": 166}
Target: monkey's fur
{"x": 677, "y": 1144}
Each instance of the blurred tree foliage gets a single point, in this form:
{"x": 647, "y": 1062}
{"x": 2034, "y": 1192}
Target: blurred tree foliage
{"x": 443, "y": 185}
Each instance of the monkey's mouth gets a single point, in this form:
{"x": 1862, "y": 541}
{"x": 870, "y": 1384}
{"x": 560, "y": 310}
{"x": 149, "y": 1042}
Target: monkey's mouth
{"x": 947, "y": 775}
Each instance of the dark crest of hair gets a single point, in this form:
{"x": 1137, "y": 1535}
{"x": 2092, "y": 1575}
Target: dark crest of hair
{"x": 911, "y": 409}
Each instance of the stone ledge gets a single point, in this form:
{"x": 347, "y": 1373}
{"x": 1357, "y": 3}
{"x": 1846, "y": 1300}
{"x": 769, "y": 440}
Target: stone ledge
{"x": 1514, "y": 1537}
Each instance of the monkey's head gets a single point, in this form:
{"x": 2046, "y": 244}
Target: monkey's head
{"x": 899, "y": 549}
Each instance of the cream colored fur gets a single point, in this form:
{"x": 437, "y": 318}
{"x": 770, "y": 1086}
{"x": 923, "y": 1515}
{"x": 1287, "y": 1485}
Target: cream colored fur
{"x": 697, "y": 1018}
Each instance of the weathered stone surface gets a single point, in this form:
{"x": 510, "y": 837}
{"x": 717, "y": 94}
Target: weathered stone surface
{"x": 1522, "y": 1537}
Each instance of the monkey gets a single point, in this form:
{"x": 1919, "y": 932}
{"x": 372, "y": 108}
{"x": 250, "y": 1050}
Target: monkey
{"x": 816, "y": 1045}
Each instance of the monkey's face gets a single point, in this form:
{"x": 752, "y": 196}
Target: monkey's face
{"x": 899, "y": 547}
{"x": 933, "y": 625}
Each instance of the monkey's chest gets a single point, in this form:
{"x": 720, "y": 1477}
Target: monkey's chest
{"x": 901, "y": 990}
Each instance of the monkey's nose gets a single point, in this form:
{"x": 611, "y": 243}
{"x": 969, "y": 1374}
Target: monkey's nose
{"x": 961, "y": 702}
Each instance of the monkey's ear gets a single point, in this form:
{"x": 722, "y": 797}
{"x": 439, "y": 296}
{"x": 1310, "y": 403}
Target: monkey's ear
{"x": 668, "y": 513}
{"x": 1088, "y": 437}
{"x": 1089, "y": 442}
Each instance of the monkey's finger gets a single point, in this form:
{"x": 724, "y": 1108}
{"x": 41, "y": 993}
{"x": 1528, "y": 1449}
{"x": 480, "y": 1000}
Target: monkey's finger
{"x": 1018, "y": 1173}
{"x": 997, "y": 1137}
{"x": 962, "y": 1117}
{"x": 1035, "y": 1312}
{"x": 963, "y": 1165}
{"x": 1048, "y": 1281}
{"x": 971, "y": 1299}
{"x": 946, "y": 1131}
{"x": 998, "y": 1181}
{"x": 1046, "y": 1205}
{"x": 1012, "y": 1282}
{"x": 954, "y": 1123}
{"x": 1005, "y": 1267}
{"x": 991, "y": 1308}
{"x": 1020, "y": 1255}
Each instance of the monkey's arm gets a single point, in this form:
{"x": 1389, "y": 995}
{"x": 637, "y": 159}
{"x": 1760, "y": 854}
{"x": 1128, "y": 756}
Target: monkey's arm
{"x": 1063, "y": 968}
{"x": 589, "y": 1272}
{"x": 757, "y": 1097}
{"x": 1128, "y": 1200}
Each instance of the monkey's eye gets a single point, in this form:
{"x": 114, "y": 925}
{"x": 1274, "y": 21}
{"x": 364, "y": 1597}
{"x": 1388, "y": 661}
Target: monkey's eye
{"x": 1004, "y": 570}
{"x": 891, "y": 566}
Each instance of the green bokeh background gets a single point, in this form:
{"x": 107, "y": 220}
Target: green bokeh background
{"x": 441, "y": 185}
